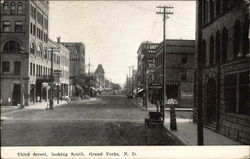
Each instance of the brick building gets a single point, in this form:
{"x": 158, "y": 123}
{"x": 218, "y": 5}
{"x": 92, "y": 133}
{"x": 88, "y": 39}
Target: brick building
{"x": 146, "y": 53}
{"x": 225, "y": 64}
{"x": 179, "y": 70}
{"x": 25, "y": 52}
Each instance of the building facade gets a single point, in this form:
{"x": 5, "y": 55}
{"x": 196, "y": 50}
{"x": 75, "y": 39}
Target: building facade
{"x": 146, "y": 55}
{"x": 100, "y": 77}
{"x": 179, "y": 70}
{"x": 26, "y": 53}
{"x": 77, "y": 58}
{"x": 225, "y": 64}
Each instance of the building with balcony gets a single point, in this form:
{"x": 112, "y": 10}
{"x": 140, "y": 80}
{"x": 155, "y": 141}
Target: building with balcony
{"x": 26, "y": 52}
{"x": 224, "y": 61}
{"x": 179, "y": 70}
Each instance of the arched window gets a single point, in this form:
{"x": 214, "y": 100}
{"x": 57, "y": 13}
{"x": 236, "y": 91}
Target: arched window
{"x": 13, "y": 8}
{"x": 12, "y": 47}
{"x": 224, "y": 44}
{"x": 211, "y": 10}
{"x": 39, "y": 50}
{"x": 20, "y": 8}
{"x": 32, "y": 48}
{"x": 245, "y": 36}
{"x": 218, "y": 7}
{"x": 211, "y": 49}
{"x": 236, "y": 38}
{"x": 218, "y": 47}
{"x": 204, "y": 53}
{"x": 5, "y": 8}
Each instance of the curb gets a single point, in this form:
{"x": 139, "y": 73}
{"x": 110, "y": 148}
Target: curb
{"x": 177, "y": 136}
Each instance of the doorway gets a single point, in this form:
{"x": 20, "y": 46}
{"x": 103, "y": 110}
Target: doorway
{"x": 211, "y": 102}
{"x": 16, "y": 94}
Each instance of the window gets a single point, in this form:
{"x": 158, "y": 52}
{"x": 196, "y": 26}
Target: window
{"x": 224, "y": 44}
{"x": 211, "y": 10}
{"x": 18, "y": 26}
{"x": 237, "y": 93}
{"x": 5, "y": 8}
{"x": 39, "y": 50}
{"x": 45, "y": 54}
{"x": 20, "y": 8}
{"x": 32, "y": 48}
{"x": 31, "y": 27}
{"x": 184, "y": 75}
{"x": 244, "y": 93}
{"x": 217, "y": 46}
{"x": 203, "y": 55}
{"x": 218, "y": 7}
{"x": 6, "y": 26}
{"x": 31, "y": 69}
{"x": 245, "y": 36}
{"x": 34, "y": 30}
{"x": 17, "y": 68}
{"x": 211, "y": 56}
{"x": 12, "y": 47}
{"x": 236, "y": 38}
{"x": 13, "y": 8}
{"x": 5, "y": 66}
{"x": 34, "y": 69}
{"x": 184, "y": 59}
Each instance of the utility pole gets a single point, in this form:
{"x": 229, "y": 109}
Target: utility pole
{"x": 200, "y": 138}
{"x": 51, "y": 102}
{"x": 165, "y": 16}
{"x": 132, "y": 78}
{"x": 89, "y": 77}
{"x": 129, "y": 79}
{"x": 146, "y": 83}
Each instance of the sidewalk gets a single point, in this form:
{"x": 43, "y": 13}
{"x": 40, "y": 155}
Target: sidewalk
{"x": 7, "y": 110}
{"x": 187, "y": 130}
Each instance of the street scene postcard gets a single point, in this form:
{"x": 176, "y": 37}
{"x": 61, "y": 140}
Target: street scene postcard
{"x": 167, "y": 79}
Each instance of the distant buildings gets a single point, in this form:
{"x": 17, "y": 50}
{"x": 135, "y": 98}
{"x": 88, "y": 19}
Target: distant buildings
{"x": 179, "y": 70}
{"x": 225, "y": 64}
{"x": 26, "y": 54}
{"x": 100, "y": 77}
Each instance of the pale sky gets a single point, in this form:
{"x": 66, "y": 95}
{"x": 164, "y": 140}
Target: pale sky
{"x": 113, "y": 30}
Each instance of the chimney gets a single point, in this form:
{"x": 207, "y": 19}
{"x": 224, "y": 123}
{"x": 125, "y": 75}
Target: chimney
{"x": 58, "y": 39}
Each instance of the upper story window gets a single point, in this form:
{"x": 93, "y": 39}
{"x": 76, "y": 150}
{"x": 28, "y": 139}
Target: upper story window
{"x": 184, "y": 75}
{"x": 5, "y": 66}
{"x": 184, "y": 59}
{"x": 32, "y": 48}
{"x": 18, "y": 26}
{"x": 12, "y": 47}
{"x": 6, "y": 26}
{"x": 20, "y": 8}
{"x": 5, "y": 8}
{"x": 237, "y": 39}
{"x": 17, "y": 67}
{"x": 13, "y": 8}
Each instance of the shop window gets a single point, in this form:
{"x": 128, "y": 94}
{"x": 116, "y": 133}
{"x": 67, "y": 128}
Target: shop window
{"x": 13, "y": 8}
{"x": 17, "y": 68}
{"x": 244, "y": 93}
{"x": 5, "y": 66}
{"x": 237, "y": 93}
{"x": 230, "y": 83}
{"x": 6, "y": 26}
{"x": 5, "y": 8}
{"x": 18, "y": 26}
{"x": 20, "y": 8}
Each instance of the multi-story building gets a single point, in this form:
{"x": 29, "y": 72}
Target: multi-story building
{"x": 25, "y": 52}
{"x": 77, "y": 58}
{"x": 224, "y": 61}
{"x": 145, "y": 61}
{"x": 179, "y": 70}
{"x": 100, "y": 77}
